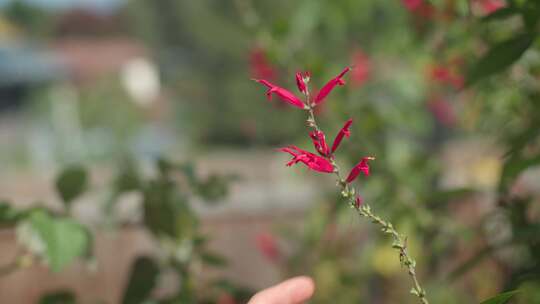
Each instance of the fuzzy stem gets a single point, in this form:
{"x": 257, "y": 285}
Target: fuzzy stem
{"x": 399, "y": 242}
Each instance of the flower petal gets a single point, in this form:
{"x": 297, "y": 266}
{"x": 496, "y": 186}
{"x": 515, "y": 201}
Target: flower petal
{"x": 330, "y": 85}
{"x": 312, "y": 161}
{"x": 362, "y": 166}
{"x": 319, "y": 141}
{"x": 282, "y": 93}
{"x": 301, "y": 80}
{"x": 345, "y": 131}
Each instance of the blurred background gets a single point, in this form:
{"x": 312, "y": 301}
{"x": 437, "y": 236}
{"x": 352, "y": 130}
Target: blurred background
{"x": 138, "y": 160}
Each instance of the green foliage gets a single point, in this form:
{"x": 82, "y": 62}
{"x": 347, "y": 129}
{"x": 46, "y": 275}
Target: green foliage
{"x": 71, "y": 183}
{"x": 59, "y": 297}
{"x": 500, "y": 56}
{"x": 142, "y": 279}
{"x": 500, "y": 298}
{"x": 58, "y": 240}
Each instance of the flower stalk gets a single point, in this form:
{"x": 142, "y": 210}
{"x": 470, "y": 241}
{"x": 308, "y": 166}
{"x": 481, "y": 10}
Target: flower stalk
{"x": 399, "y": 242}
{"x": 325, "y": 163}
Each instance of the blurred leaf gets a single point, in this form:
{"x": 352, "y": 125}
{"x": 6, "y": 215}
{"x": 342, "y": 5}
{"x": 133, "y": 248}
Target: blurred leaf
{"x": 8, "y": 215}
{"x": 142, "y": 279}
{"x": 213, "y": 259}
{"x": 500, "y": 298}
{"x": 128, "y": 179}
{"x": 500, "y": 56}
{"x": 159, "y": 210}
{"x": 64, "y": 239}
{"x": 214, "y": 188}
{"x": 443, "y": 197}
{"x": 58, "y": 297}
{"x": 71, "y": 183}
{"x": 188, "y": 169}
{"x": 513, "y": 168}
{"x": 501, "y": 13}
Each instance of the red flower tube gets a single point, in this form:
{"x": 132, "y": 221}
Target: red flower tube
{"x": 319, "y": 141}
{"x": 362, "y": 166}
{"x": 301, "y": 80}
{"x": 358, "y": 201}
{"x": 282, "y": 93}
{"x": 345, "y": 131}
{"x": 311, "y": 160}
{"x": 330, "y": 85}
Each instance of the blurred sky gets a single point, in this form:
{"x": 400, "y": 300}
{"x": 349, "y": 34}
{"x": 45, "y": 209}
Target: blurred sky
{"x": 64, "y": 4}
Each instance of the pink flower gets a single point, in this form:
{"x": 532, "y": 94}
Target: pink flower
{"x": 267, "y": 245}
{"x": 330, "y": 85}
{"x": 311, "y": 160}
{"x": 362, "y": 166}
{"x": 282, "y": 93}
{"x": 260, "y": 66}
{"x": 361, "y": 68}
{"x": 319, "y": 141}
{"x": 490, "y": 6}
{"x": 345, "y": 131}
{"x": 358, "y": 202}
{"x": 301, "y": 80}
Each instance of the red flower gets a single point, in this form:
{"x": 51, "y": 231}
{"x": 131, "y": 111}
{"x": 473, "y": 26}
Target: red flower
{"x": 362, "y": 166}
{"x": 319, "y": 141}
{"x": 345, "y": 131}
{"x": 445, "y": 75}
{"x": 285, "y": 95}
{"x": 330, "y": 85}
{"x": 301, "y": 80}
{"x": 358, "y": 202}
{"x": 311, "y": 160}
{"x": 260, "y": 66}
{"x": 267, "y": 245}
{"x": 361, "y": 68}
{"x": 490, "y": 6}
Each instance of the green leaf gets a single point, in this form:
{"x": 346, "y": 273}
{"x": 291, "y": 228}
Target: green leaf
{"x": 500, "y": 57}
{"x": 501, "y": 13}
{"x": 213, "y": 259}
{"x": 71, "y": 183}
{"x": 500, "y": 298}
{"x": 142, "y": 279}
{"x": 514, "y": 167}
{"x": 58, "y": 297}
{"x": 63, "y": 239}
{"x": 8, "y": 215}
{"x": 213, "y": 189}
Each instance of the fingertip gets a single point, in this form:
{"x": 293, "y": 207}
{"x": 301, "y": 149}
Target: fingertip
{"x": 292, "y": 291}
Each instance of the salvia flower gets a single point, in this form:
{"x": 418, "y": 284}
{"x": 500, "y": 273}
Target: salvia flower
{"x": 312, "y": 161}
{"x": 344, "y": 132}
{"x": 301, "y": 80}
{"x": 319, "y": 141}
{"x": 282, "y": 93}
{"x": 330, "y": 85}
{"x": 362, "y": 166}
